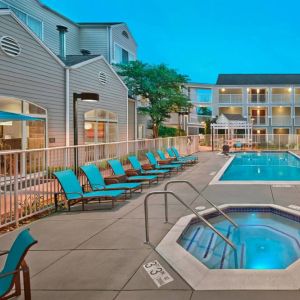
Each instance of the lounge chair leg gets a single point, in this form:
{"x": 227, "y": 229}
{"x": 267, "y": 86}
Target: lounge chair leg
{"x": 26, "y": 279}
{"x": 82, "y": 204}
{"x": 112, "y": 203}
{"x": 69, "y": 207}
{"x": 18, "y": 284}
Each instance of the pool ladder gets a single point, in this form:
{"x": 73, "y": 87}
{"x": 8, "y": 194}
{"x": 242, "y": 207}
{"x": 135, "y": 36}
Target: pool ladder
{"x": 165, "y": 192}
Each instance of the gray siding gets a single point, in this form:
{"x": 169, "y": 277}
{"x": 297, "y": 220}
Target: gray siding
{"x": 95, "y": 40}
{"x": 50, "y": 19}
{"x": 34, "y": 76}
{"x": 113, "y": 95}
{"x": 117, "y": 37}
{"x": 131, "y": 120}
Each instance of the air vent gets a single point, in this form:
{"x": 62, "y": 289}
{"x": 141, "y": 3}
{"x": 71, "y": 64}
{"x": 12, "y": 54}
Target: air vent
{"x": 10, "y": 46}
{"x": 102, "y": 77}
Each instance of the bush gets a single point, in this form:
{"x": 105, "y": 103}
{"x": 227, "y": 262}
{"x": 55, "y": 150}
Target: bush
{"x": 170, "y": 131}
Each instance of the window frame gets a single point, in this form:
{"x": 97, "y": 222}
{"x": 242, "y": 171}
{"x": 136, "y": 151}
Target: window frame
{"x": 123, "y": 48}
{"x": 27, "y": 15}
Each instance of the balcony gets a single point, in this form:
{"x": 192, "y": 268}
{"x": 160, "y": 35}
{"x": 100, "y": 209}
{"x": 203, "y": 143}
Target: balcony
{"x": 196, "y": 119}
{"x": 261, "y": 120}
{"x": 230, "y": 98}
{"x": 281, "y": 99}
{"x": 281, "y": 121}
{"x": 257, "y": 99}
{"x": 297, "y": 121}
{"x": 297, "y": 99}
{"x": 203, "y": 98}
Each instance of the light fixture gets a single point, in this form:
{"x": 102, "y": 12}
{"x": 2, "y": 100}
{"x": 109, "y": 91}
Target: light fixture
{"x": 85, "y": 97}
{"x": 223, "y": 90}
{"x": 290, "y": 89}
{"x": 258, "y": 91}
{"x": 258, "y": 131}
{"x": 248, "y": 90}
{"x": 88, "y": 126}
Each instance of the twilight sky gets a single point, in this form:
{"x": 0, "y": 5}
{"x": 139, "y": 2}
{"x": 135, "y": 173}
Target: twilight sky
{"x": 202, "y": 38}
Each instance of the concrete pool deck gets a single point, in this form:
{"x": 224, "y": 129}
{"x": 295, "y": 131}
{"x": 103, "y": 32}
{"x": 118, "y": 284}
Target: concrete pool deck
{"x": 100, "y": 254}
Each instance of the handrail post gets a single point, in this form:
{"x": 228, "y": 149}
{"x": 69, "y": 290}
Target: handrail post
{"x": 166, "y": 206}
{"x": 188, "y": 207}
{"x": 194, "y": 188}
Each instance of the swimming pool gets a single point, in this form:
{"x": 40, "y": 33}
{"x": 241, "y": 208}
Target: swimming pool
{"x": 264, "y": 241}
{"x": 261, "y": 167}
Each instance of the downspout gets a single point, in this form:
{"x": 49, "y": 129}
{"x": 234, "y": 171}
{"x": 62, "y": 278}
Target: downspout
{"x": 67, "y": 107}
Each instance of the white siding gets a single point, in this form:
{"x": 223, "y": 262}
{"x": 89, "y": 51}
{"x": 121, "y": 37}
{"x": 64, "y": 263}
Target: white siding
{"x": 113, "y": 95}
{"x": 51, "y": 20}
{"x": 34, "y": 76}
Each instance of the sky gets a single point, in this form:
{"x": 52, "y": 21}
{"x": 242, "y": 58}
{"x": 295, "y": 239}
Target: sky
{"x": 203, "y": 38}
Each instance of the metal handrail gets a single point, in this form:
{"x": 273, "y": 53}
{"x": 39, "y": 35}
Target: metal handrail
{"x": 188, "y": 207}
{"x": 195, "y": 189}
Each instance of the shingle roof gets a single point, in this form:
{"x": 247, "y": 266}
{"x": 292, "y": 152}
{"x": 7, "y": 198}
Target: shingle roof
{"x": 235, "y": 117}
{"x": 72, "y": 60}
{"x": 257, "y": 79}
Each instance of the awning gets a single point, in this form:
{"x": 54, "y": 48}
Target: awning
{"x": 8, "y": 116}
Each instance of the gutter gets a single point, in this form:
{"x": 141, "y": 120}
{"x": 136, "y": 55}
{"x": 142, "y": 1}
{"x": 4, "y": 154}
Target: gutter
{"x": 67, "y": 107}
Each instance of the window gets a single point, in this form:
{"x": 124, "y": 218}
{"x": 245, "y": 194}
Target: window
{"x": 34, "y": 24}
{"x": 100, "y": 126}
{"x": 12, "y": 135}
{"x": 122, "y": 56}
{"x": 125, "y": 34}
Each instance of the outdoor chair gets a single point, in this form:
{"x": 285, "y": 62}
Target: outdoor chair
{"x": 160, "y": 164}
{"x": 173, "y": 160}
{"x": 14, "y": 265}
{"x": 130, "y": 175}
{"x": 97, "y": 182}
{"x": 74, "y": 193}
{"x": 146, "y": 169}
{"x": 179, "y": 157}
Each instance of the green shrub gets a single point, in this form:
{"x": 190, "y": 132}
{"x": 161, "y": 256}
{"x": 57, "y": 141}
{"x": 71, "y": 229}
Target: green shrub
{"x": 170, "y": 131}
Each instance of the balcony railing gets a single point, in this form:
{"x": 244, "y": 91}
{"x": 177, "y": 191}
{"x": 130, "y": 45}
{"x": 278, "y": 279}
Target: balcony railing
{"x": 259, "y": 120}
{"x": 281, "y": 120}
{"x": 281, "y": 98}
{"x": 297, "y": 121}
{"x": 196, "y": 119}
{"x": 255, "y": 99}
{"x": 297, "y": 99}
{"x": 230, "y": 98}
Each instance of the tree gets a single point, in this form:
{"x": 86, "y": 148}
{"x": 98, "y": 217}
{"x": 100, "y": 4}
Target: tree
{"x": 160, "y": 86}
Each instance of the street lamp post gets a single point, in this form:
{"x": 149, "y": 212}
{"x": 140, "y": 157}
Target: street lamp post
{"x": 85, "y": 97}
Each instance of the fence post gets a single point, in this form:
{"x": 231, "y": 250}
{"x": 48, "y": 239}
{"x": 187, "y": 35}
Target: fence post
{"x": 16, "y": 189}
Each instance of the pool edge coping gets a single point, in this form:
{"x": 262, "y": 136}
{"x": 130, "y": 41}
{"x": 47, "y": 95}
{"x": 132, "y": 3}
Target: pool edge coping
{"x": 199, "y": 277}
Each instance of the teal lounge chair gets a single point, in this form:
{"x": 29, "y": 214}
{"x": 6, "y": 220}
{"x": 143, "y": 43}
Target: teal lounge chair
{"x": 138, "y": 167}
{"x": 179, "y": 157}
{"x": 97, "y": 182}
{"x": 130, "y": 175}
{"x": 153, "y": 161}
{"x": 74, "y": 192}
{"x": 174, "y": 160}
{"x": 15, "y": 263}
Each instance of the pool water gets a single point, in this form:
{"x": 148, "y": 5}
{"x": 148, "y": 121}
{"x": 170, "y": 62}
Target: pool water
{"x": 263, "y": 241}
{"x": 263, "y": 166}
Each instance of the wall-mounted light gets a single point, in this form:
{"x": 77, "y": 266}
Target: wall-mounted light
{"x": 258, "y": 131}
{"x": 248, "y": 90}
{"x": 290, "y": 89}
{"x": 258, "y": 91}
{"x": 223, "y": 90}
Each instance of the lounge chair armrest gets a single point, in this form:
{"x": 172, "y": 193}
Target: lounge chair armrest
{"x": 115, "y": 179}
{"x": 4, "y": 253}
{"x": 163, "y": 162}
{"x": 132, "y": 172}
{"x": 73, "y": 193}
{"x": 147, "y": 167}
